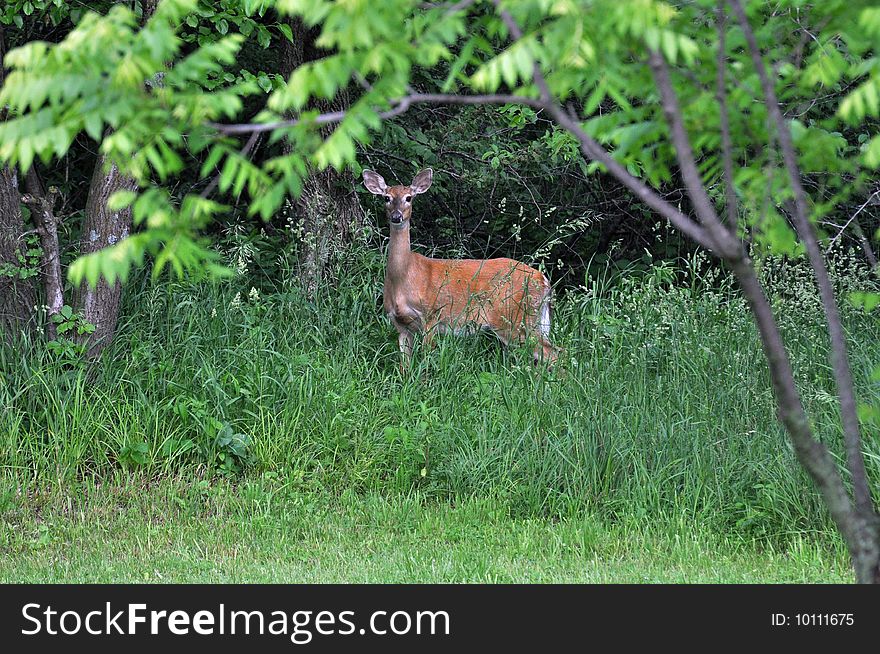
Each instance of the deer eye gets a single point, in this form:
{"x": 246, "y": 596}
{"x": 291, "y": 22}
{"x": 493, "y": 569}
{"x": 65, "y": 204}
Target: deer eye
{"x": 388, "y": 199}
{"x": 408, "y": 198}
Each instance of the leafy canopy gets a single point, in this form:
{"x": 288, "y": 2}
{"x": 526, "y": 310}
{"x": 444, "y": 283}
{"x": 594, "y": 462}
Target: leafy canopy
{"x": 152, "y": 97}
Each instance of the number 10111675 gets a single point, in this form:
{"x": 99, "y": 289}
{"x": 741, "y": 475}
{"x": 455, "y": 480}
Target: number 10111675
{"x": 812, "y": 620}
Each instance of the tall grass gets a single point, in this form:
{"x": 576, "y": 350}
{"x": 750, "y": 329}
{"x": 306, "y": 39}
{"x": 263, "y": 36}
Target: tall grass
{"x": 661, "y": 410}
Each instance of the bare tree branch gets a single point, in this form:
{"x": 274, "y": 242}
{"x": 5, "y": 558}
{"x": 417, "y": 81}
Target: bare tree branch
{"x": 246, "y": 151}
{"x": 852, "y": 218}
{"x": 591, "y": 149}
{"x": 400, "y": 106}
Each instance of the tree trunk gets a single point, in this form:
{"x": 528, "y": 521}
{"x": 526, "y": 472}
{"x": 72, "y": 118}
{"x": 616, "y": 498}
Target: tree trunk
{"x": 42, "y": 206}
{"x": 328, "y": 211}
{"x": 149, "y": 8}
{"x": 17, "y": 296}
{"x": 102, "y": 228}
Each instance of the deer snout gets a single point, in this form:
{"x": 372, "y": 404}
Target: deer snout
{"x": 396, "y": 217}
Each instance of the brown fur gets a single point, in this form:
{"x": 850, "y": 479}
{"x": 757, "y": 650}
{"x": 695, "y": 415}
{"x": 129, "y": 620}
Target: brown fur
{"x": 461, "y": 295}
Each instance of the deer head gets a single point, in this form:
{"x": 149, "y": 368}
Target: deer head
{"x": 398, "y": 199}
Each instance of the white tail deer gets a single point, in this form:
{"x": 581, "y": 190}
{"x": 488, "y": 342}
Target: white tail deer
{"x": 458, "y": 295}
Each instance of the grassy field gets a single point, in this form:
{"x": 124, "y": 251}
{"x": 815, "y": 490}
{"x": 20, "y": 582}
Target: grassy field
{"x": 254, "y": 435}
{"x": 180, "y": 531}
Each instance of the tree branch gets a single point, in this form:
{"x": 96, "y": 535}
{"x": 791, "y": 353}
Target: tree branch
{"x": 725, "y": 244}
{"x": 590, "y": 148}
{"x": 249, "y": 147}
{"x": 400, "y": 106}
{"x": 840, "y": 361}
{"x": 852, "y": 218}
{"x": 721, "y": 96}
{"x": 595, "y": 152}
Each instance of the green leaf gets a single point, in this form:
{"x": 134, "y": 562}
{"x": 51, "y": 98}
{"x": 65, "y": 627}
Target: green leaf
{"x": 121, "y": 200}
{"x": 284, "y": 28}
{"x": 868, "y": 301}
{"x": 871, "y": 152}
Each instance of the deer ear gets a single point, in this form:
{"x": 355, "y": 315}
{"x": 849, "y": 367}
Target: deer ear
{"x": 374, "y": 182}
{"x": 422, "y": 181}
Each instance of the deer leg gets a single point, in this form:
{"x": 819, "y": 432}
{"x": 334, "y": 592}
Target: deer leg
{"x": 429, "y": 334}
{"x": 545, "y": 353}
{"x": 405, "y": 341}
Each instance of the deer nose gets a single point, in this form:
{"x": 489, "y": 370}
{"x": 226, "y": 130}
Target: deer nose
{"x": 396, "y": 217}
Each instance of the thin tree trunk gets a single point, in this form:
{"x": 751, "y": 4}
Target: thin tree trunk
{"x": 42, "y": 205}
{"x": 839, "y": 358}
{"x": 102, "y": 228}
{"x": 328, "y": 210}
{"x": 858, "y": 527}
{"x": 17, "y": 294}
{"x": 857, "y": 522}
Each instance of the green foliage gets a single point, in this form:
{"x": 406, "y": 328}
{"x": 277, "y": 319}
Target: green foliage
{"x": 68, "y": 348}
{"x": 67, "y": 320}
{"x": 865, "y": 300}
{"x": 150, "y": 95}
{"x": 206, "y": 437}
{"x": 663, "y": 411}
{"x": 110, "y": 75}
{"x": 169, "y": 237}
{"x": 27, "y": 264}
{"x": 134, "y": 455}
{"x": 16, "y": 11}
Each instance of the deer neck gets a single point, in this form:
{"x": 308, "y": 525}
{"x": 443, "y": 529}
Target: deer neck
{"x": 399, "y": 256}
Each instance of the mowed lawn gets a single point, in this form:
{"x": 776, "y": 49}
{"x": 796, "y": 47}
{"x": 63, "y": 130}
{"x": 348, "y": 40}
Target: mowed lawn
{"x": 181, "y": 531}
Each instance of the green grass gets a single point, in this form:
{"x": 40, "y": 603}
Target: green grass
{"x": 180, "y": 531}
{"x": 658, "y": 431}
